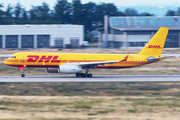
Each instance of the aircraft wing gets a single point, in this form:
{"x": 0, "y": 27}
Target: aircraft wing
{"x": 93, "y": 64}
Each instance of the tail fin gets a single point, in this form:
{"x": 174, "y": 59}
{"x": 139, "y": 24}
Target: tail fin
{"x": 155, "y": 46}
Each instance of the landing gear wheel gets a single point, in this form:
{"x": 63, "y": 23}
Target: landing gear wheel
{"x": 90, "y": 75}
{"x": 22, "y": 75}
{"x": 78, "y": 74}
{"x": 82, "y": 74}
{"x": 85, "y": 75}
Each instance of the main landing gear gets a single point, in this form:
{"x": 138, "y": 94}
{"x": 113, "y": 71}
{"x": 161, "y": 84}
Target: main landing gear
{"x": 22, "y": 70}
{"x": 84, "y": 74}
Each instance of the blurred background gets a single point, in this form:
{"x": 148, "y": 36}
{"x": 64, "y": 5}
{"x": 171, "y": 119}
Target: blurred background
{"x": 79, "y": 24}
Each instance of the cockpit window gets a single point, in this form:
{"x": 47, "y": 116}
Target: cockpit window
{"x": 13, "y": 57}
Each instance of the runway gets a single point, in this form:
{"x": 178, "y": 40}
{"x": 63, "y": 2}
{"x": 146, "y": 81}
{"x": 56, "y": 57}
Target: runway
{"x": 98, "y": 78}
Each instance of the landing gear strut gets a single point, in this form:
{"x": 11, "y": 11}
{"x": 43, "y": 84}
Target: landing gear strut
{"x": 84, "y": 74}
{"x": 22, "y": 70}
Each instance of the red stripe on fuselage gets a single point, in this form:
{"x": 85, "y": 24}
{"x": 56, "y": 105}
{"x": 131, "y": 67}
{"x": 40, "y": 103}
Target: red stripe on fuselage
{"x": 38, "y": 66}
{"x": 11, "y": 60}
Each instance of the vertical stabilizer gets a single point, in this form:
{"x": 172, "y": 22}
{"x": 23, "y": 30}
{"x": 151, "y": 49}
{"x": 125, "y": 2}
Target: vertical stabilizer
{"x": 155, "y": 46}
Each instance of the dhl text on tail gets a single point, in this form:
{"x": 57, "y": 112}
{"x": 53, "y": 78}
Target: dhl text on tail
{"x": 74, "y": 63}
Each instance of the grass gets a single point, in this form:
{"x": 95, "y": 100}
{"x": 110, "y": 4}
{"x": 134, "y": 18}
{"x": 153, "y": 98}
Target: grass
{"x": 3, "y": 108}
{"x": 82, "y": 106}
{"x": 105, "y": 111}
{"x": 86, "y": 104}
{"x": 91, "y": 89}
{"x": 103, "y": 101}
{"x": 100, "y": 111}
{"x": 132, "y": 111}
{"x": 92, "y": 114}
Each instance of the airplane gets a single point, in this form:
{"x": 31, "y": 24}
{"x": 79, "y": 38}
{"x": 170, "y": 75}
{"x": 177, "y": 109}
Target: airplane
{"x": 69, "y": 63}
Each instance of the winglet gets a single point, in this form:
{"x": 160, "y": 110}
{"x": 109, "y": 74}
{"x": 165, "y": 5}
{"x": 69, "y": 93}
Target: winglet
{"x": 125, "y": 59}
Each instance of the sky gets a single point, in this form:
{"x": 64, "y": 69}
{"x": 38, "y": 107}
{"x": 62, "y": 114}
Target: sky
{"x": 124, "y": 3}
{"x": 140, "y": 5}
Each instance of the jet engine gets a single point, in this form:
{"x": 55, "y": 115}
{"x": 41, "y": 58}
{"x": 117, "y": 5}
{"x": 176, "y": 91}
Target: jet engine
{"x": 70, "y": 69}
{"x": 52, "y": 70}
{"x": 65, "y": 69}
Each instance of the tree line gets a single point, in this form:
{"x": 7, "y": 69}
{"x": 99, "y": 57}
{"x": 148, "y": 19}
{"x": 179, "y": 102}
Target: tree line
{"x": 173, "y": 12}
{"x": 91, "y": 15}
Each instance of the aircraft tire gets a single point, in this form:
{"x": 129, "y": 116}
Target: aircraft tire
{"x": 82, "y": 74}
{"x": 85, "y": 75}
{"x": 78, "y": 74}
{"x": 22, "y": 75}
{"x": 90, "y": 75}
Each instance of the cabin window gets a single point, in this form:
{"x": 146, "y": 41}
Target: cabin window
{"x": 13, "y": 57}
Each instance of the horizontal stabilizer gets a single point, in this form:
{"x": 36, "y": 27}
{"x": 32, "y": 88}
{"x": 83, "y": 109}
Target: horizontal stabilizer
{"x": 152, "y": 59}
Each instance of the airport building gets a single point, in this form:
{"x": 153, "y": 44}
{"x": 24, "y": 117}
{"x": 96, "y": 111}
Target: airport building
{"x": 41, "y": 36}
{"x": 135, "y": 32}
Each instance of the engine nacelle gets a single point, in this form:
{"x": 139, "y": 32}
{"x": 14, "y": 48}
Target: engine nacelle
{"x": 69, "y": 69}
{"x": 52, "y": 70}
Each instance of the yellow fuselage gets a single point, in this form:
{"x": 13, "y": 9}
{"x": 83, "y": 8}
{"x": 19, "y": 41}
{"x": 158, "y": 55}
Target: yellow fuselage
{"x": 56, "y": 59}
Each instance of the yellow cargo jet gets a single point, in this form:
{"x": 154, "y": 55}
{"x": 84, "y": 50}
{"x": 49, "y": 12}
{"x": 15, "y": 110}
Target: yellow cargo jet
{"x": 68, "y": 63}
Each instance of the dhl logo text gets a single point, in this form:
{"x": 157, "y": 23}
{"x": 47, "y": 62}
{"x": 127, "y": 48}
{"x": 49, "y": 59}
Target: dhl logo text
{"x": 36, "y": 58}
{"x": 154, "y": 46}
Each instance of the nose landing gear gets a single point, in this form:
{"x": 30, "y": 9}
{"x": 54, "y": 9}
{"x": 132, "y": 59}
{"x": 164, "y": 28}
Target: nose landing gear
{"x": 22, "y": 70}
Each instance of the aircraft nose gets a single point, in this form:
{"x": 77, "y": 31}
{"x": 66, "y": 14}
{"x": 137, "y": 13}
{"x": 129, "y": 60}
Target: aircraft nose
{"x": 10, "y": 61}
{"x": 6, "y": 61}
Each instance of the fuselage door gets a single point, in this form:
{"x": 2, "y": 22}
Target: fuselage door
{"x": 139, "y": 59}
{"x": 23, "y": 58}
